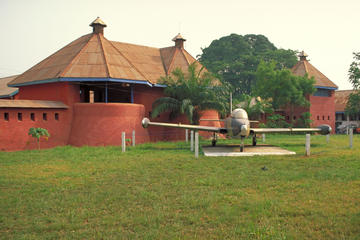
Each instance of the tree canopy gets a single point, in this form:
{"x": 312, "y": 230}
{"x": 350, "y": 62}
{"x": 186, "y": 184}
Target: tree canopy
{"x": 353, "y": 104}
{"x": 354, "y": 71}
{"x": 235, "y": 58}
{"x": 190, "y": 93}
{"x": 282, "y": 87}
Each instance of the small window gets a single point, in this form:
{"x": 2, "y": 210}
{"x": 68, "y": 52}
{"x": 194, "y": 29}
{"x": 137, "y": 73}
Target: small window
{"x": 328, "y": 117}
{"x": 57, "y": 116}
{"x": 323, "y": 117}
{"x": 318, "y": 118}
{"x": 6, "y": 116}
{"x": 32, "y": 116}
{"x": 19, "y": 116}
{"x": 45, "y": 116}
{"x": 294, "y": 117}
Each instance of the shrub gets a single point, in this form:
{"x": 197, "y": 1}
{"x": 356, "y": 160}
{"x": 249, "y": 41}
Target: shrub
{"x": 37, "y": 133}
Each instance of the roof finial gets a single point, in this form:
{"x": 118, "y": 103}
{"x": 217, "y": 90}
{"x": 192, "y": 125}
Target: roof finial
{"x": 179, "y": 41}
{"x": 302, "y": 55}
{"x": 98, "y": 26}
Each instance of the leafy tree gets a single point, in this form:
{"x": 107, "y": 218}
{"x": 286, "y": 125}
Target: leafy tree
{"x": 275, "y": 121}
{"x": 37, "y": 133}
{"x": 282, "y": 87}
{"x": 353, "y": 104}
{"x": 234, "y": 59}
{"x": 304, "y": 121}
{"x": 354, "y": 71}
{"x": 190, "y": 93}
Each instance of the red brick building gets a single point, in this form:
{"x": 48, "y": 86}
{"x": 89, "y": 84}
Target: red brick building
{"x": 344, "y": 121}
{"x": 121, "y": 80}
{"x": 322, "y": 102}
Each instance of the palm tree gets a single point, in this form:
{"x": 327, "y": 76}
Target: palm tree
{"x": 190, "y": 93}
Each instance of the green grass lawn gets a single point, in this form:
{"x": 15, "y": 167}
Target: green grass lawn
{"x": 160, "y": 191}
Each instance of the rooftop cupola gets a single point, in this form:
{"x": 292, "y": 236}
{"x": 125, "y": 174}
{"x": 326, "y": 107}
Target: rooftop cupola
{"x": 302, "y": 55}
{"x": 98, "y": 26}
{"x": 179, "y": 41}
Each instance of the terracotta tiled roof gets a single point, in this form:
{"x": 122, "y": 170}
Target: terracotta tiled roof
{"x": 55, "y": 65}
{"x": 341, "y": 98}
{"x": 5, "y": 90}
{"x": 93, "y": 56}
{"x": 303, "y": 67}
{"x": 31, "y": 104}
{"x": 146, "y": 60}
{"x": 174, "y": 57}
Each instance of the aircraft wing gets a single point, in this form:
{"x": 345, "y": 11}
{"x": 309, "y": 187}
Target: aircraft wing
{"x": 146, "y": 122}
{"x": 322, "y": 129}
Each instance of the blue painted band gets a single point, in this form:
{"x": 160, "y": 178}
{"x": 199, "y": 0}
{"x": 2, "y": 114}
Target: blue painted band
{"x": 328, "y": 88}
{"x": 160, "y": 85}
{"x": 87, "y": 80}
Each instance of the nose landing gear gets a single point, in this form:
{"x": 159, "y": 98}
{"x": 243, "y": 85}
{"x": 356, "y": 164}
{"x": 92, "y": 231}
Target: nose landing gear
{"x": 242, "y": 144}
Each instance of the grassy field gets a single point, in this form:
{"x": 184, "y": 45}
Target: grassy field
{"x": 160, "y": 191}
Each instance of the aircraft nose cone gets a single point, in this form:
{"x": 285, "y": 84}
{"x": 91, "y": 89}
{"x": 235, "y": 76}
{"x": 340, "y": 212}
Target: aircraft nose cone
{"x": 243, "y": 131}
{"x": 325, "y": 129}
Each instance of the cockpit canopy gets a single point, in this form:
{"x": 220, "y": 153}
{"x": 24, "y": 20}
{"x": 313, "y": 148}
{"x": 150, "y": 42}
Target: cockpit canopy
{"x": 239, "y": 113}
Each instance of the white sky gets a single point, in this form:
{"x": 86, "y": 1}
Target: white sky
{"x": 327, "y": 30}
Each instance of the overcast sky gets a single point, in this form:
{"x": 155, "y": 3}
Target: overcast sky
{"x": 327, "y": 30}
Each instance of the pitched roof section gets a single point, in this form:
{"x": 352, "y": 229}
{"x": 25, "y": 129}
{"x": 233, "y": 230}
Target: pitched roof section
{"x": 54, "y": 65}
{"x": 174, "y": 57}
{"x": 341, "y": 98}
{"x": 145, "y": 61}
{"x": 303, "y": 66}
{"x": 5, "y": 90}
{"x": 93, "y": 56}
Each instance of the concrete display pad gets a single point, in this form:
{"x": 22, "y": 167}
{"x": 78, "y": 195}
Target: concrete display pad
{"x": 249, "y": 150}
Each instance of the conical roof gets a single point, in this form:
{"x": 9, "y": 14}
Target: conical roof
{"x": 174, "y": 57}
{"x": 304, "y": 67}
{"x": 90, "y": 56}
{"x": 93, "y": 57}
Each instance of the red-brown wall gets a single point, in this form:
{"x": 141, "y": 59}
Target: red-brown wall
{"x": 322, "y": 110}
{"x": 319, "y": 107}
{"x": 65, "y": 92}
{"x": 101, "y": 124}
{"x": 14, "y": 133}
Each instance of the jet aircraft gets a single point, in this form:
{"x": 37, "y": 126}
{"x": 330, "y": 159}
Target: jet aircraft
{"x": 238, "y": 126}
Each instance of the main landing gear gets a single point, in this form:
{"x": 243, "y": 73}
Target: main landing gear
{"x": 214, "y": 139}
{"x": 254, "y": 140}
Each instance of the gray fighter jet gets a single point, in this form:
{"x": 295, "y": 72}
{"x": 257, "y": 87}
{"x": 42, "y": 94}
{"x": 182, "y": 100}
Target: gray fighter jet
{"x": 238, "y": 126}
